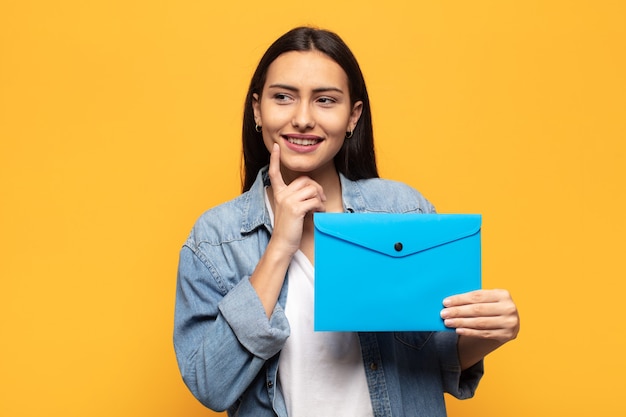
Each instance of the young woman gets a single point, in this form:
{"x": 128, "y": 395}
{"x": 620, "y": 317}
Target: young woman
{"x": 243, "y": 335}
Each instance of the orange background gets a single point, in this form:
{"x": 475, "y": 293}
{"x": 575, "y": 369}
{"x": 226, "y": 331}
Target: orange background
{"x": 119, "y": 126}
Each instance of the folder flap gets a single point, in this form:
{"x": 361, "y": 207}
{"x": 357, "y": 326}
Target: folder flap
{"x": 397, "y": 235}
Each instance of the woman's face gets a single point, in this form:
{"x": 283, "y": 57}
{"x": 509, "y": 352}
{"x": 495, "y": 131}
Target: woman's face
{"x": 305, "y": 108}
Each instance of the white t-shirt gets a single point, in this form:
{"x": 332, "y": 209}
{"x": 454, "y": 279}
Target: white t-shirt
{"x": 320, "y": 373}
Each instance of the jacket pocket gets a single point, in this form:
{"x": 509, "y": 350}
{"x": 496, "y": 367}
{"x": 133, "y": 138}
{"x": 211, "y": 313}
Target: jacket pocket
{"x": 415, "y": 340}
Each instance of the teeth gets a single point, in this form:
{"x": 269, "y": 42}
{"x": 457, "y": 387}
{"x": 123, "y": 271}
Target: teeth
{"x": 304, "y": 142}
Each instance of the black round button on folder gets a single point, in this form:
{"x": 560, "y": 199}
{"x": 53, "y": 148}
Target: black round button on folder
{"x": 398, "y": 246}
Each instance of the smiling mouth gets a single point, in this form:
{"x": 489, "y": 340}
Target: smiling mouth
{"x": 303, "y": 141}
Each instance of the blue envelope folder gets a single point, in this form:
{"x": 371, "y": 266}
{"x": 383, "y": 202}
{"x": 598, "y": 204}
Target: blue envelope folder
{"x": 391, "y": 272}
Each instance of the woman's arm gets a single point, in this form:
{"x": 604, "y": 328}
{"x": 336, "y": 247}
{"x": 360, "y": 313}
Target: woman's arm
{"x": 484, "y": 321}
{"x": 221, "y": 341}
{"x": 291, "y": 203}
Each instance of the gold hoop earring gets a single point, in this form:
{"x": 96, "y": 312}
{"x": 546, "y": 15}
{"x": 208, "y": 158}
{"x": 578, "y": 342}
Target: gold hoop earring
{"x": 257, "y": 128}
{"x": 349, "y": 134}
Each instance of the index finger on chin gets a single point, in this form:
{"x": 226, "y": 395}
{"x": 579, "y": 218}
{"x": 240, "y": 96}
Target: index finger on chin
{"x": 276, "y": 178}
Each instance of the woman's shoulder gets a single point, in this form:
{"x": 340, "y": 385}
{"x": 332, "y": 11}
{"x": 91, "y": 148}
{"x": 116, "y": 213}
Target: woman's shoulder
{"x": 223, "y": 222}
{"x": 224, "y": 210}
{"x": 386, "y": 195}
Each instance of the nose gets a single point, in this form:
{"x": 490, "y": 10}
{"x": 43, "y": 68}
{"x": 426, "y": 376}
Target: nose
{"x": 303, "y": 116}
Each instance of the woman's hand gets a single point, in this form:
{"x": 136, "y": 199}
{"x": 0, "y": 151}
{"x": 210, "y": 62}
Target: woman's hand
{"x": 484, "y": 320}
{"x": 484, "y": 314}
{"x": 292, "y": 203}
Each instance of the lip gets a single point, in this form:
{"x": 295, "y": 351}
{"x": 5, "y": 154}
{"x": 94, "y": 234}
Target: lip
{"x": 307, "y": 143}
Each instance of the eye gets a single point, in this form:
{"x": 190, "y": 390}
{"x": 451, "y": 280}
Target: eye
{"x": 282, "y": 98}
{"x": 326, "y": 101}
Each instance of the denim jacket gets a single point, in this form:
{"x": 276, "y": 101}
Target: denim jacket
{"x": 227, "y": 349}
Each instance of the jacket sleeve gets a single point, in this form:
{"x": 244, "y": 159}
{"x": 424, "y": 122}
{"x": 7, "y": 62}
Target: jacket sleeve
{"x": 222, "y": 337}
{"x": 460, "y": 384}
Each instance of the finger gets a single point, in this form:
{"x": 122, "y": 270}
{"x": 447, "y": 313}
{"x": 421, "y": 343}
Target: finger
{"x": 302, "y": 200}
{"x": 313, "y": 205}
{"x": 475, "y": 297}
{"x": 504, "y": 308}
{"x": 276, "y": 177}
{"x": 501, "y": 333}
{"x": 313, "y": 188}
{"x": 473, "y": 310}
{"x": 499, "y": 336}
{"x": 480, "y": 323}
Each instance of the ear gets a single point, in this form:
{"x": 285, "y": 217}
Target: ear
{"x": 355, "y": 114}
{"x": 256, "y": 108}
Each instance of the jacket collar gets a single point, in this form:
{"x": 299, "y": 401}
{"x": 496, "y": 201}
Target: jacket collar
{"x": 254, "y": 213}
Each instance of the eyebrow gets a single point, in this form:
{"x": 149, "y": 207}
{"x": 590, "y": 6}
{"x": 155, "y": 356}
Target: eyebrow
{"x": 315, "y": 90}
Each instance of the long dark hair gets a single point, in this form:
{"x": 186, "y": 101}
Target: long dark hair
{"x": 356, "y": 159}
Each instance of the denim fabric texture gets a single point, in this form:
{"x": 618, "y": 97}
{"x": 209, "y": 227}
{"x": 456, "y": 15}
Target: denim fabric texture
{"x": 227, "y": 349}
